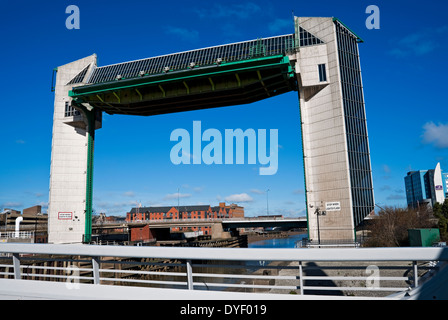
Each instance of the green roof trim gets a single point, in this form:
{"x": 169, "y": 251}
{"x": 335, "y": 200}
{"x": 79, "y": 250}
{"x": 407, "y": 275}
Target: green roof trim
{"x": 358, "y": 37}
{"x": 225, "y": 68}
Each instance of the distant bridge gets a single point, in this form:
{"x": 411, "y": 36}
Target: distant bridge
{"x": 300, "y": 222}
{"x": 232, "y": 223}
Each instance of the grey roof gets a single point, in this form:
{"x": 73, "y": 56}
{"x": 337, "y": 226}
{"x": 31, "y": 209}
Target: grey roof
{"x": 200, "y": 57}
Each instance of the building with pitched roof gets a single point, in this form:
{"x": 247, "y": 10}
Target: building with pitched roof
{"x": 193, "y": 212}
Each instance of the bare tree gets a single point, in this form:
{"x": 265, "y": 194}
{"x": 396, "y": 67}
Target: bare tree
{"x": 390, "y": 227}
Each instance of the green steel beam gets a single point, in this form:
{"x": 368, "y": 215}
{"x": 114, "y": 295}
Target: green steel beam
{"x": 139, "y": 94}
{"x": 199, "y": 88}
{"x": 90, "y": 115}
{"x": 225, "y": 68}
{"x": 89, "y": 178}
{"x": 161, "y": 89}
{"x": 212, "y": 84}
{"x": 238, "y": 79}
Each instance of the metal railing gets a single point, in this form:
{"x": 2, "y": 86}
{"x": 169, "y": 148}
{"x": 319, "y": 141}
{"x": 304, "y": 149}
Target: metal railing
{"x": 16, "y": 234}
{"x": 306, "y": 243}
{"x": 299, "y": 271}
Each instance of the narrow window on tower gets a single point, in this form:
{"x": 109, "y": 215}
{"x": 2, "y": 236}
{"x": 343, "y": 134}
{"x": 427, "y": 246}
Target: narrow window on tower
{"x": 67, "y": 109}
{"x": 70, "y": 111}
{"x": 322, "y": 73}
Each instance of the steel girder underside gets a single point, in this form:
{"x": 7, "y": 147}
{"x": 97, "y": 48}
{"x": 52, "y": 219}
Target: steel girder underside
{"x": 224, "y": 84}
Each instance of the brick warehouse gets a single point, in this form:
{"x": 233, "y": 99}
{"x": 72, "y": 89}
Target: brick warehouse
{"x": 222, "y": 211}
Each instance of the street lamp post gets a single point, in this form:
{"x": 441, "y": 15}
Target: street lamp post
{"x": 318, "y": 212}
{"x": 267, "y": 202}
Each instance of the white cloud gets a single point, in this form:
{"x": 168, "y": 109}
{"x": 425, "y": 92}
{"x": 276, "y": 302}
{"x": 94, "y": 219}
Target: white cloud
{"x": 176, "y": 196}
{"x": 239, "y": 10}
{"x": 115, "y": 208}
{"x": 436, "y": 134}
{"x": 130, "y": 194}
{"x": 242, "y": 197}
{"x": 11, "y": 205}
{"x": 257, "y": 191}
{"x": 418, "y": 43}
{"x": 396, "y": 197}
{"x": 44, "y": 205}
{"x": 182, "y": 33}
{"x": 198, "y": 189}
{"x": 280, "y": 25}
{"x": 299, "y": 191}
{"x": 288, "y": 212}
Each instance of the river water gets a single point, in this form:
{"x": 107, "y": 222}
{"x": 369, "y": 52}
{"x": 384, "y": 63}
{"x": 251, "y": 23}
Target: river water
{"x": 278, "y": 243}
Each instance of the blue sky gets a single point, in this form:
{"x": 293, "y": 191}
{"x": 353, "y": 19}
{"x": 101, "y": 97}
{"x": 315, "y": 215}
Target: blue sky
{"x": 404, "y": 68}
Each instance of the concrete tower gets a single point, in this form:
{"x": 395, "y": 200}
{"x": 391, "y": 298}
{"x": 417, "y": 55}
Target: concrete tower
{"x": 69, "y": 157}
{"x": 338, "y": 177}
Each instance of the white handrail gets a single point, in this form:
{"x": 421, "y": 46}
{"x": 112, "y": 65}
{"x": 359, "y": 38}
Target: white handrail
{"x": 184, "y": 256}
{"x": 244, "y": 254}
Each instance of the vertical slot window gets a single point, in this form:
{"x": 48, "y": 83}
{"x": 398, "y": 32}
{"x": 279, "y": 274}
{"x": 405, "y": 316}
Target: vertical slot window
{"x": 322, "y": 73}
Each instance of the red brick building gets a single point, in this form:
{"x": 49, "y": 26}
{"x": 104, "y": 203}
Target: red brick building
{"x": 143, "y": 233}
{"x": 202, "y": 212}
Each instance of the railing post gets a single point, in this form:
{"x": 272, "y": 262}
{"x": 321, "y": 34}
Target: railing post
{"x": 189, "y": 275}
{"x": 16, "y": 264}
{"x": 301, "y": 278}
{"x": 415, "y": 274}
{"x": 96, "y": 270}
